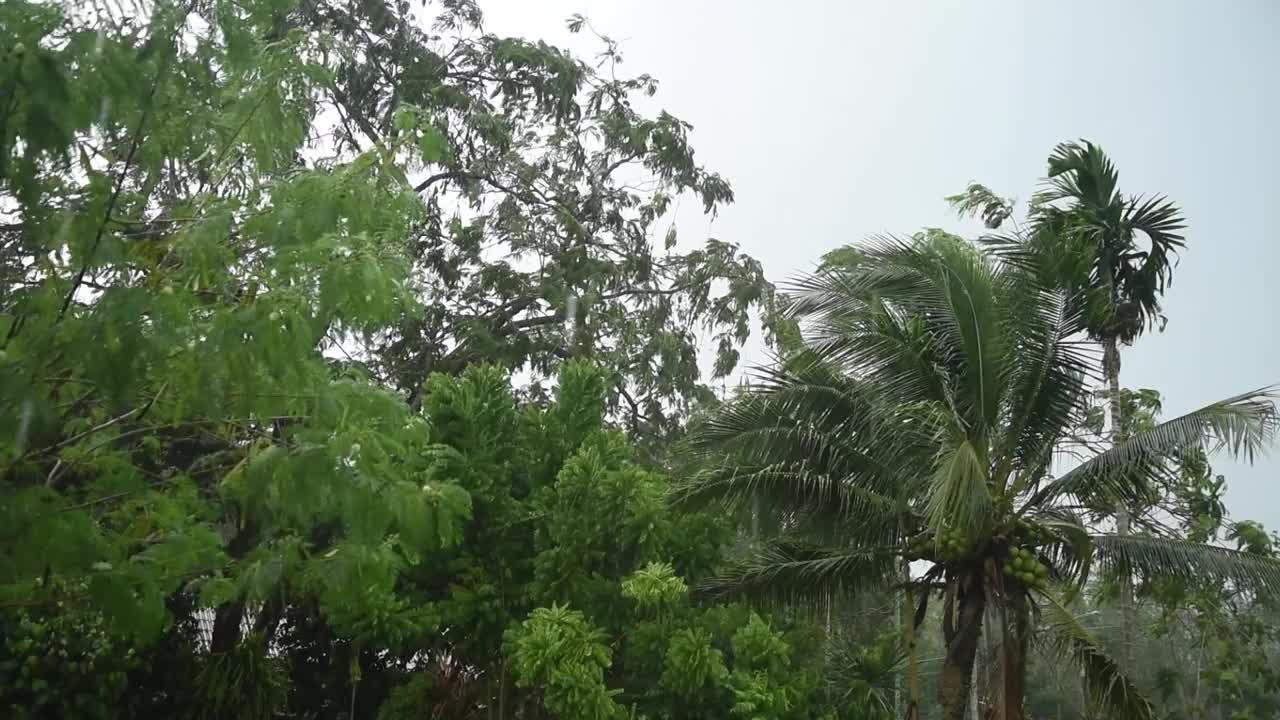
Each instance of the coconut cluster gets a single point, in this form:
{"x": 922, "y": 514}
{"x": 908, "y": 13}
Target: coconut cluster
{"x": 1017, "y": 547}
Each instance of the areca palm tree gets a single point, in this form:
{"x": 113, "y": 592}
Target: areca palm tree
{"x": 922, "y": 422}
{"x": 1115, "y": 251}
{"x": 1115, "y": 254}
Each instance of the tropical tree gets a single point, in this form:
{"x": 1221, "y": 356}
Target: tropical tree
{"x": 236, "y": 239}
{"x": 1114, "y": 252}
{"x": 922, "y": 422}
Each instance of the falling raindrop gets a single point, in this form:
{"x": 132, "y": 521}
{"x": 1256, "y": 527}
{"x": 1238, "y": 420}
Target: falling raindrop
{"x": 103, "y": 109}
{"x": 24, "y": 425}
{"x": 570, "y": 318}
{"x": 64, "y": 231}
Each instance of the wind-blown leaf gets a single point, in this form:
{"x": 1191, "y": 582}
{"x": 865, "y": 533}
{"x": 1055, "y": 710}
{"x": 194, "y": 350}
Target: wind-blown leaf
{"x": 804, "y": 573}
{"x": 1108, "y": 686}
{"x": 806, "y": 440}
{"x": 1160, "y": 220}
{"x": 934, "y": 298}
{"x": 1082, "y": 171}
{"x": 1166, "y": 557}
{"x": 1242, "y": 425}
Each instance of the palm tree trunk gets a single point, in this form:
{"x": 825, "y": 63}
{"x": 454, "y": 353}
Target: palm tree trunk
{"x": 1128, "y": 614}
{"x": 974, "y": 712}
{"x": 961, "y": 627}
{"x": 912, "y": 709}
{"x": 1010, "y": 677}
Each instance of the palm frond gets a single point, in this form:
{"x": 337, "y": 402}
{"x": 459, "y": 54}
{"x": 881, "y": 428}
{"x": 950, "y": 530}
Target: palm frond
{"x": 791, "y": 572}
{"x": 959, "y": 496}
{"x": 1160, "y": 220}
{"x": 1047, "y": 386}
{"x": 834, "y": 509}
{"x": 1165, "y": 557}
{"x": 864, "y": 675}
{"x": 1108, "y": 686}
{"x": 794, "y": 487}
{"x": 1082, "y": 171}
{"x": 806, "y": 440}
{"x": 973, "y": 304}
{"x": 896, "y": 351}
{"x": 1071, "y": 549}
{"x": 922, "y": 317}
{"x": 1242, "y": 425}
{"x": 890, "y": 266}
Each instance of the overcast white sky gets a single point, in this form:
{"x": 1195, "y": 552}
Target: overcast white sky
{"x": 835, "y": 120}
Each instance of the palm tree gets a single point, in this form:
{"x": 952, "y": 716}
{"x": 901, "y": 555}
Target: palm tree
{"x": 1115, "y": 253}
{"x": 921, "y": 423}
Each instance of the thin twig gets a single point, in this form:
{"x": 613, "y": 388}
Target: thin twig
{"x": 115, "y": 192}
{"x": 136, "y": 413}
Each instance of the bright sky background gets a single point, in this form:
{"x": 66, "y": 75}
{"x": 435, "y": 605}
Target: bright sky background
{"x": 835, "y": 120}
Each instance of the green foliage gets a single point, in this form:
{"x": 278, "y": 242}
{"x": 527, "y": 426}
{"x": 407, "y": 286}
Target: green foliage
{"x": 267, "y": 270}
{"x": 247, "y": 251}
{"x": 861, "y": 677}
{"x": 408, "y": 700}
{"x": 246, "y": 682}
{"x": 979, "y": 200}
{"x": 655, "y": 586}
{"x": 171, "y": 416}
{"x": 757, "y": 647}
{"x": 62, "y": 664}
{"x": 692, "y": 665}
{"x": 762, "y": 686}
{"x": 558, "y": 650}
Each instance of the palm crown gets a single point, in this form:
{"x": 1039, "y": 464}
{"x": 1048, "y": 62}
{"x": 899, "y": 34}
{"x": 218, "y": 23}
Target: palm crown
{"x": 1114, "y": 252}
{"x": 922, "y": 421}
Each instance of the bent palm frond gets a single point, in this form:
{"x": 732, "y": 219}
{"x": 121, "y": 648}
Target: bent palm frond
{"x": 1108, "y": 686}
{"x": 1081, "y": 171}
{"x": 1047, "y": 389}
{"x": 1165, "y": 557}
{"x": 800, "y": 572}
{"x": 1161, "y": 221}
{"x": 1243, "y": 425}
{"x": 805, "y": 440}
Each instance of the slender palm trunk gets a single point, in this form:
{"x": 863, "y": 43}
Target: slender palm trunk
{"x": 974, "y": 712}
{"x": 911, "y": 711}
{"x": 961, "y": 627}
{"x": 1128, "y": 612}
{"x": 1009, "y": 679}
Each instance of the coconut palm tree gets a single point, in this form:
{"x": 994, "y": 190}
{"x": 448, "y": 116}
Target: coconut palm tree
{"x": 921, "y": 423}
